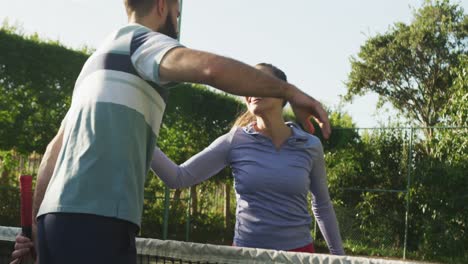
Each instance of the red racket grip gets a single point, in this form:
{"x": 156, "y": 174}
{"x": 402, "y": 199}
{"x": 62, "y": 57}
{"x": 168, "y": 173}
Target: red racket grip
{"x": 26, "y": 204}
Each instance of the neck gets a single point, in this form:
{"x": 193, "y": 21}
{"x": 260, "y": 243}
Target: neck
{"x": 272, "y": 125}
{"x": 146, "y": 21}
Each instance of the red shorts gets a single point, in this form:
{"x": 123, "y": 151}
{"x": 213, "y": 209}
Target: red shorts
{"x": 307, "y": 249}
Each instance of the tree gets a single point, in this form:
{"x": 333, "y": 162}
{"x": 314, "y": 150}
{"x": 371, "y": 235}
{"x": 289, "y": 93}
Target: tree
{"x": 410, "y": 65}
{"x": 451, "y": 144}
{"x": 441, "y": 180}
{"x": 36, "y": 83}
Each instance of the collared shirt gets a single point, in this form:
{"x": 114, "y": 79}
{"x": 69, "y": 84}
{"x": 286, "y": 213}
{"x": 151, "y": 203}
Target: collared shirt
{"x": 111, "y": 128}
{"x": 271, "y": 186}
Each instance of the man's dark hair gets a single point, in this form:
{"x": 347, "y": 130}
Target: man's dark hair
{"x": 140, "y": 7}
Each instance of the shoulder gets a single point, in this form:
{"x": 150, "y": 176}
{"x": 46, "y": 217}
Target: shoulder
{"x": 143, "y": 36}
{"x": 246, "y": 135}
{"x": 304, "y": 138}
{"x": 237, "y": 135}
{"x": 226, "y": 139}
{"x": 125, "y": 34}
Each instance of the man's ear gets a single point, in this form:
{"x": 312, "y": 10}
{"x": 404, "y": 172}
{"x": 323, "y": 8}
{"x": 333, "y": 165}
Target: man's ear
{"x": 161, "y": 6}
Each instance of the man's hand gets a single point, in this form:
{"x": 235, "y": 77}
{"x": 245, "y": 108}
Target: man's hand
{"x": 24, "y": 248}
{"x": 304, "y": 107}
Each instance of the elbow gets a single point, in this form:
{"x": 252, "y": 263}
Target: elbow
{"x": 169, "y": 182}
{"x": 176, "y": 182}
{"x": 211, "y": 72}
{"x": 176, "y": 185}
{"x": 210, "y": 75}
{"x": 171, "y": 185}
{"x": 323, "y": 211}
{"x": 322, "y": 205}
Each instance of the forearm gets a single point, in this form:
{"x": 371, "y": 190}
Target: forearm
{"x": 231, "y": 76}
{"x": 169, "y": 172}
{"x": 198, "y": 168}
{"x": 241, "y": 79}
{"x": 328, "y": 224}
{"x": 322, "y": 206}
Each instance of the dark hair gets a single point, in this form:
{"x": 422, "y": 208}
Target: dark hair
{"x": 276, "y": 71}
{"x": 247, "y": 117}
{"x": 140, "y": 7}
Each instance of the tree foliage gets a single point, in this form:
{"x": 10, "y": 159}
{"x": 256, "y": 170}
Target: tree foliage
{"x": 410, "y": 65}
{"x": 451, "y": 144}
{"x": 36, "y": 82}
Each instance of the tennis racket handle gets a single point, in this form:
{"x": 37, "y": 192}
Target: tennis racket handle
{"x": 26, "y": 231}
{"x": 26, "y": 204}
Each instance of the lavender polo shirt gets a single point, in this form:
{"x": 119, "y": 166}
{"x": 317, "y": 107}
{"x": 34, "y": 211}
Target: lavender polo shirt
{"x": 271, "y": 186}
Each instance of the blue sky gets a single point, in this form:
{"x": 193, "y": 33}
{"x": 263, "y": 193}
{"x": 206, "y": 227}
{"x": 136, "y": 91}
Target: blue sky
{"x": 310, "y": 40}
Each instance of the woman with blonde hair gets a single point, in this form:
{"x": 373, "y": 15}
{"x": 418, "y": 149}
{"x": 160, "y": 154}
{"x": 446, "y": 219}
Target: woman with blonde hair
{"x": 275, "y": 165}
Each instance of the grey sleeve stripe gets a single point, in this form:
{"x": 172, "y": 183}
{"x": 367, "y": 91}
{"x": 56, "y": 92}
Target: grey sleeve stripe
{"x": 139, "y": 39}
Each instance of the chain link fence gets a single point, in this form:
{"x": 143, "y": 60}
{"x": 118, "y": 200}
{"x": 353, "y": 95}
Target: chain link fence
{"x": 397, "y": 192}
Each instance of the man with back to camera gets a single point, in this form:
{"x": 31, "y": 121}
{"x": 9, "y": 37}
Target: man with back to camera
{"x": 89, "y": 192}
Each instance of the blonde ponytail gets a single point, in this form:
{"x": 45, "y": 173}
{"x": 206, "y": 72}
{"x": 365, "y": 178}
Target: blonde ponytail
{"x": 245, "y": 119}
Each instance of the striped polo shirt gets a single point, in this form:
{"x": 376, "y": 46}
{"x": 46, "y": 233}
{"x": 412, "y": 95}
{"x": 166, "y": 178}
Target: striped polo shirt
{"x": 111, "y": 128}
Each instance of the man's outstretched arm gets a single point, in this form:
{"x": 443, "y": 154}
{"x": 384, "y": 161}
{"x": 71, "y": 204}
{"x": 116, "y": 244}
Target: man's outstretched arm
{"x": 188, "y": 65}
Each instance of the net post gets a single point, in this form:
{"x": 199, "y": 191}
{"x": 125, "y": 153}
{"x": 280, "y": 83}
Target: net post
{"x": 315, "y": 229}
{"x": 408, "y": 185}
{"x": 181, "y": 4}
{"x": 187, "y": 222}
{"x": 166, "y": 212}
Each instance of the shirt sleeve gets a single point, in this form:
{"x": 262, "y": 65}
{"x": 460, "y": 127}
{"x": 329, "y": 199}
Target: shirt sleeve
{"x": 322, "y": 206}
{"x": 147, "y": 51}
{"x": 198, "y": 168}
{"x": 65, "y": 118}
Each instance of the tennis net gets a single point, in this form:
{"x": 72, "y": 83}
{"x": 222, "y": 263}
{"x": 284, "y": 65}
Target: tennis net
{"x": 155, "y": 251}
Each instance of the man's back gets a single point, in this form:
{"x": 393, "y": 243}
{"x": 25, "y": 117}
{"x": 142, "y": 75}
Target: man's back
{"x": 111, "y": 128}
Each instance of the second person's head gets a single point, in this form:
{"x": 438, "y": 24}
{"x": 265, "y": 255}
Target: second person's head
{"x": 261, "y": 105}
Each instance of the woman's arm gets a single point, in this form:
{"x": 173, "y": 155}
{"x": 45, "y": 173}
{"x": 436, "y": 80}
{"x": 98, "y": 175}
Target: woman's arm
{"x": 322, "y": 205}
{"x": 195, "y": 170}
